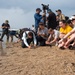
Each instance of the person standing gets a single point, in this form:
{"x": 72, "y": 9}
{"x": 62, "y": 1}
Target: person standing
{"x": 60, "y": 15}
{"x": 5, "y": 30}
{"x": 51, "y": 19}
{"x": 37, "y": 18}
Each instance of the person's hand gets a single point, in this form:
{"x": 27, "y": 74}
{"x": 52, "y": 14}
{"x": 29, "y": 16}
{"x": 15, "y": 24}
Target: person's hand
{"x": 60, "y": 41}
{"x": 34, "y": 45}
{"x": 43, "y": 14}
{"x": 47, "y": 42}
{"x": 29, "y": 47}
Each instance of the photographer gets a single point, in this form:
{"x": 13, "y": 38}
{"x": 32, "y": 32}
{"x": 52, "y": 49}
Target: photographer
{"x": 51, "y": 19}
{"x": 5, "y": 30}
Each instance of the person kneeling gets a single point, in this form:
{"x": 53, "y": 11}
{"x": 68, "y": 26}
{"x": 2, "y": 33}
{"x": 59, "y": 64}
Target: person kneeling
{"x": 53, "y": 37}
{"x": 29, "y": 40}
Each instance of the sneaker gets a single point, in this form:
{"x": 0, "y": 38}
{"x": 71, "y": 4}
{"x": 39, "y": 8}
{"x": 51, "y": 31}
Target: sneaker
{"x": 62, "y": 48}
{"x": 71, "y": 47}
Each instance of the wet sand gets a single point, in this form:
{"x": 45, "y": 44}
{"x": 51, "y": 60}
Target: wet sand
{"x": 40, "y": 61}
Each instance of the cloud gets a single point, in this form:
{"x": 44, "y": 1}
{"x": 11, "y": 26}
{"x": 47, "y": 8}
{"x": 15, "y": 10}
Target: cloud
{"x": 17, "y": 17}
{"x": 20, "y": 13}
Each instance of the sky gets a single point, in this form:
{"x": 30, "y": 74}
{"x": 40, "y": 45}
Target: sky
{"x": 20, "y": 13}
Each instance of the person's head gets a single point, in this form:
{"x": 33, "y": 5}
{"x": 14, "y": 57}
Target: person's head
{"x": 41, "y": 25}
{"x": 49, "y": 11}
{"x": 32, "y": 25}
{"x": 70, "y": 23}
{"x": 50, "y": 31}
{"x": 58, "y": 11}
{"x": 38, "y": 10}
{"x": 6, "y": 21}
{"x": 72, "y": 18}
{"x": 57, "y": 17}
{"x": 62, "y": 23}
{"x": 30, "y": 35}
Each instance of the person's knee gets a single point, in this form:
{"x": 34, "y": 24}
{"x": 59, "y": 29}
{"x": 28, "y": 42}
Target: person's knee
{"x": 23, "y": 45}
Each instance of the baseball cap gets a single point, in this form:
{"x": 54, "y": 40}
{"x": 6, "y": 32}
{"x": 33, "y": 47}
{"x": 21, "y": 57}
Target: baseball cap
{"x": 58, "y": 10}
{"x": 72, "y": 18}
{"x": 49, "y": 10}
{"x": 6, "y": 21}
{"x": 38, "y": 9}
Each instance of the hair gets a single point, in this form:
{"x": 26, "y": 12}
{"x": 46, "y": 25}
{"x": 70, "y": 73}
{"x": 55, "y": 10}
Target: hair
{"x": 63, "y": 21}
{"x": 50, "y": 29}
{"x": 6, "y": 21}
{"x": 30, "y": 34}
{"x": 68, "y": 21}
{"x": 41, "y": 24}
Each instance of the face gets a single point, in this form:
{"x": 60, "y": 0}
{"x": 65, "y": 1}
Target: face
{"x": 61, "y": 24}
{"x": 41, "y": 26}
{"x": 38, "y": 11}
{"x": 58, "y": 12}
{"x": 73, "y": 22}
{"x": 6, "y": 22}
{"x": 50, "y": 32}
{"x": 29, "y": 36}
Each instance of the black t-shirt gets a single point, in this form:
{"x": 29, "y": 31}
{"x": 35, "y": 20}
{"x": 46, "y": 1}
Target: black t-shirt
{"x": 5, "y": 27}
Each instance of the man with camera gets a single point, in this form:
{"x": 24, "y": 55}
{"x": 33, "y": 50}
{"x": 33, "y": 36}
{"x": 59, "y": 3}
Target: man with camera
{"x": 5, "y": 30}
{"x": 51, "y": 19}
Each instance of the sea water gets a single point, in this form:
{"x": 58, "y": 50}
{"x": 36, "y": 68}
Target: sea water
{"x": 5, "y": 40}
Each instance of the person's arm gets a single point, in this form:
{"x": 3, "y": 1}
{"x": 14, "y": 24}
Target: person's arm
{"x": 70, "y": 33}
{"x": 3, "y": 26}
{"x": 8, "y": 26}
{"x": 56, "y": 33}
{"x": 25, "y": 39}
{"x": 38, "y": 17}
{"x": 63, "y": 17}
{"x": 49, "y": 38}
{"x": 34, "y": 38}
{"x": 67, "y": 35}
{"x": 54, "y": 40}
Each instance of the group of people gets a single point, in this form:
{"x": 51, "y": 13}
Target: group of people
{"x": 58, "y": 29}
{"x": 48, "y": 30}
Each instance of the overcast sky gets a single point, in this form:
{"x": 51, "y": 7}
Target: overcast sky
{"x": 20, "y": 13}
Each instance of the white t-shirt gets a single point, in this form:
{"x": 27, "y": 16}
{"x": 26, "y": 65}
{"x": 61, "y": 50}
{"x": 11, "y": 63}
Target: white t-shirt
{"x": 55, "y": 35}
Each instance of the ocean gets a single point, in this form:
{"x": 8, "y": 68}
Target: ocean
{"x": 5, "y": 40}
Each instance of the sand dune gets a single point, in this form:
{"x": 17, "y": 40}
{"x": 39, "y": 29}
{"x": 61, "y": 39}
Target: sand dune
{"x": 40, "y": 61}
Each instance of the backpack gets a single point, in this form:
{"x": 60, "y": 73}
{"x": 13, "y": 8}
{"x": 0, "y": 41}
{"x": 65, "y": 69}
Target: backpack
{"x": 24, "y": 30}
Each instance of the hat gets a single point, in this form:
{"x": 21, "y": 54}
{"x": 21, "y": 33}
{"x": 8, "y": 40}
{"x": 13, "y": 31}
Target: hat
{"x": 49, "y": 10}
{"x": 6, "y": 21}
{"x": 58, "y": 10}
{"x": 38, "y": 9}
{"x": 72, "y": 18}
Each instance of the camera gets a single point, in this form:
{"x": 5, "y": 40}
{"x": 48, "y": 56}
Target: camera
{"x": 45, "y": 7}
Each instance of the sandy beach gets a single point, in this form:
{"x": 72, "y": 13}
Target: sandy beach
{"x": 40, "y": 61}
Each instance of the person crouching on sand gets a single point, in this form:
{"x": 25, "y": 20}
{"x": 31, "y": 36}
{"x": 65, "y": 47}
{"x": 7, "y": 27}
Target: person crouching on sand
{"x": 53, "y": 37}
{"x": 29, "y": 40}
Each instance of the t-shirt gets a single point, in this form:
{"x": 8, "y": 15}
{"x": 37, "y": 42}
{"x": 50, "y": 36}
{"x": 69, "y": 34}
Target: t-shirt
{"x": 66, "y": 30}
{"x": 55, "y": 35}
{"x": 43, "y": 31}
{"x": 5, "y": 28}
